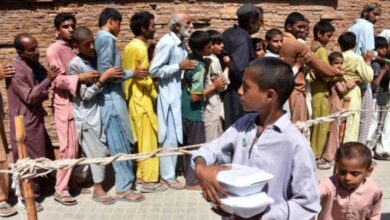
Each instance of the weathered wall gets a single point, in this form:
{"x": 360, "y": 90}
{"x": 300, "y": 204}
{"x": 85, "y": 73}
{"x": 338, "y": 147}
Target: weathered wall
{"x": 36, "y": 17}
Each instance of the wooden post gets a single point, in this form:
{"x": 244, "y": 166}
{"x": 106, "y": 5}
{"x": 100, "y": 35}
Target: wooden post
{"x": 346, "y": 101}
{"x": 28, "y": 193}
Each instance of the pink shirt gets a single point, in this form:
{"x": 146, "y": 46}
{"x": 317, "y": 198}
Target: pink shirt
{"x": 59, "y": 54}
{"x": 339, "y": 204}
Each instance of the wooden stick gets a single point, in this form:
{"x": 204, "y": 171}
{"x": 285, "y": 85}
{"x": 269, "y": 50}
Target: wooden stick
{"x": 346, "y": 101}
{"x": 28, "y": 193}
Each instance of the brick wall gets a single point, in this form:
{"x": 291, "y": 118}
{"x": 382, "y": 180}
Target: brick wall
{"x": 36, "y": 17}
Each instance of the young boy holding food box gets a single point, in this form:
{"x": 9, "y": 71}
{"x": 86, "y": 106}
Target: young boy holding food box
{"x": 265, "y": 140}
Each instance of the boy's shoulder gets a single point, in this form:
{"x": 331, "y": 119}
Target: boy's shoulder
{"x": 372, "y": 186}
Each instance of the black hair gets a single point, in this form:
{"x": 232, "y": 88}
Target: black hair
{"x": 216, "y": 36}
{"x": 256, "y": 42}
{"x": 108, "y": 13}
{"x": 381, "y": 42}
{"x": 80, "y": 33}
{"x": 140, "y": 20}
{"x": 199, "y": 40}
{"x": 347, "y": 41}
{"x": 274, "y": 73}
{"x": 334, "y": 56}
{"x": 323, "y": 27}
{"x": 63, "y": 16}
{"x": 293, "y": 18}
{"x": 18, "y": 45}
{"x": 354, "y": 150}
{"x": 272, "y": 33}
{"x": 244, "y": 21}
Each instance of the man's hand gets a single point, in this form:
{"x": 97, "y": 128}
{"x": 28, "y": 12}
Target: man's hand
{"x": 188, "y": 64}
{"x": 6, "y": 71}
{"x": 53, "y": 72}
{"x": 111, "y": 73}
{"x": 207, "y": 178}
{"x": 89, "y": 77}
{"x": 140, "y": 73}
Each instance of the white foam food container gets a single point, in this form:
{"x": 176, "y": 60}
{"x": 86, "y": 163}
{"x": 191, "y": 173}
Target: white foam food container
{"x": 246, "y": 206}
{"x": 243, "y": 180}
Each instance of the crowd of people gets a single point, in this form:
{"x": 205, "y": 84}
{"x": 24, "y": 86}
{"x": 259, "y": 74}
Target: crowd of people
{"x": 239, "y": 95}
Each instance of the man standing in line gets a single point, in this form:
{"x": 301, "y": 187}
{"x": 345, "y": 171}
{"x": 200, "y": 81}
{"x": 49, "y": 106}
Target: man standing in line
{"x": 238, "y": 45}
{"x": 363, "y": 28}
{"x": 115, "y": 118}
{"x": 141, "y": 94}
{"x": 167, "y": 66}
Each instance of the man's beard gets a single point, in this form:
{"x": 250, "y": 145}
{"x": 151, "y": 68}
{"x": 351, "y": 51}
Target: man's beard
{"x": 184, "y": 32}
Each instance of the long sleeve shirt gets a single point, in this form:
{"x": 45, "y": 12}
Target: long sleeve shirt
{"x": 140, "y": 93}
{"x": 338, "y": 203}
{"x": 112, "y": 101}
{"x": 280, "y": 150}
{"x": 59, "y": 54}
{"x": 170, "y": 51}
{"x": 27, "y": 90}
{"x": 85, "y": 106}
{"x": 238, "y": 44}
{"x": 365, "y": 36}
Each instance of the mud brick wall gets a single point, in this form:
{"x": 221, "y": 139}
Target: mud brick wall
{"x": 36, "y": 17}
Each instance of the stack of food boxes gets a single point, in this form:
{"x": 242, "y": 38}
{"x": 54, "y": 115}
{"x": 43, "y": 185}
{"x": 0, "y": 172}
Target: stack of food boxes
{"x": 245, "y": 187}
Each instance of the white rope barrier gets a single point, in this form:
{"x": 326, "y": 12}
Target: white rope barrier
{"x": 31, "y": 168}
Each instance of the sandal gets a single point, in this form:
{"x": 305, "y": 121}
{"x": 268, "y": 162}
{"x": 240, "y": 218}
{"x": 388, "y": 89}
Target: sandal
{"x": 322, "y": 164}
{"x": 104, "y": 200}
{"x": 6, "y": 210}
{"x": 174, "y": 184}
{"x": 131, "y": 196}
{"x": 153, "y": 187}
{"x": 65, "y": 200}
{"x": 383, "y": 156}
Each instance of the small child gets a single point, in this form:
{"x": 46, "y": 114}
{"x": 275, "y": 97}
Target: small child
{"x": 265, "y": 139}
{"x": 214, "y": 111}
{"x": 86, "y": 109}
{"x": 322, "y": 32}
{"x": 358, "y": 69}
{"x": 348, "y": 194}
{"x": 192, "y": 99}
{"x": 380, "y": 87}
{"x": 259, "y": 46}
{"x": 274, "y": 41}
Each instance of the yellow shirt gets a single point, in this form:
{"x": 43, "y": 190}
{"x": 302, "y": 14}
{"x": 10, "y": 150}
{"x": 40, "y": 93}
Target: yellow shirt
{"x": 140, "y": 94}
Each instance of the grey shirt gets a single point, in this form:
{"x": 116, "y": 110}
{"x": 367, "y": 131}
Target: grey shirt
{"x": 86, "y": 110}
{"x": 281, "y": 150}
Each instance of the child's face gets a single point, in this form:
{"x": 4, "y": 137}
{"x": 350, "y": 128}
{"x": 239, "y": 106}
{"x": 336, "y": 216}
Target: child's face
{"x": 86, "y": 47}
{"x": 338, "y": 63}
{"x": 275, "y": 43}
{"x": 217, "y": 48}
{"x": 65, "y": 30}
{"x": 382, "y": 51}
{"x": 324, "y": 38}
{"x": 206, "y": 51}
{"x": 252, "y": 98}
{"x": 115, "y": 26}
{"x": 260, "y": 50}
{"x": 351, "y": 173}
